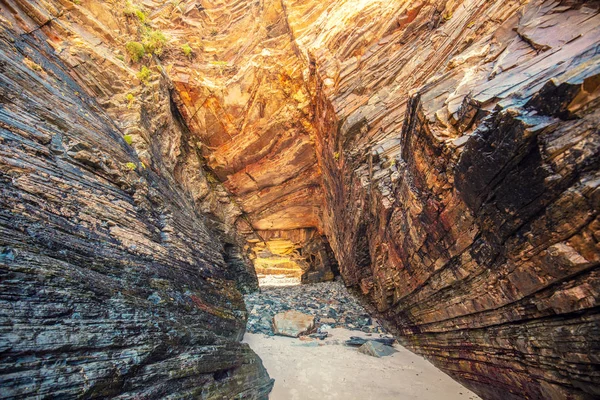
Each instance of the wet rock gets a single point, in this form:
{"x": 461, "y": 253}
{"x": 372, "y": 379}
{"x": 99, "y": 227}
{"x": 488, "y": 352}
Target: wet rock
{"x": 292, "y": 323}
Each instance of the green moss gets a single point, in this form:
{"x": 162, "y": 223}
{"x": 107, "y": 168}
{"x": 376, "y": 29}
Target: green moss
{"x": 154, "y": 41}
{"x": 336, "y": 155}
{"x": 144, "y": 74}
{"x": 141, "y": 16}
{"x": 135, "y": 50}
{"x": 130, "y": 166}
{"x": 212, "y": 179}
{"x": 128, "y": 139}
{"x": 130, "y": 100}
{"x": 187, "y": 50}
{"x": 131, "y": 9}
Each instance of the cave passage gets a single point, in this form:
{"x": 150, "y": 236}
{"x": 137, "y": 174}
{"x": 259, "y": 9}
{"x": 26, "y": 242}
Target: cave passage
{"x": 359, "y": 198}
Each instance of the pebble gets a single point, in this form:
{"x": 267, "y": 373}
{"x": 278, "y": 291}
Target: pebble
{"x": 329, "y": 302}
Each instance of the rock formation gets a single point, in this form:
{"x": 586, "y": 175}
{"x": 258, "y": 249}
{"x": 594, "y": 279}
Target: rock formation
{"x": 112, "y": 284}
{"x": 459, "y": 147}
{"x": 444, "y": 152}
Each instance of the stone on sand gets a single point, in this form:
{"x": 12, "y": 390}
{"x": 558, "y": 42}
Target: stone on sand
{"x": 376, "y": 349}
{"x": 292, "y": 323}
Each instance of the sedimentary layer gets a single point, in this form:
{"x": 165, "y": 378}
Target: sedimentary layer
{"x": 448, "y": 151}
{"x": 112, "y": 283}
{"x": 459, "y": 147}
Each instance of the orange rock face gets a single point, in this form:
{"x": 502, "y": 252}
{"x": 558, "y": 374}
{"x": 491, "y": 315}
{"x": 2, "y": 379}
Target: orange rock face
{"x": 447, "y": 150}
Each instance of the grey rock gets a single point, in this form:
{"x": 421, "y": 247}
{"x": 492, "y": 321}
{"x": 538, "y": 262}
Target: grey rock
{"x": 376, "y": 349}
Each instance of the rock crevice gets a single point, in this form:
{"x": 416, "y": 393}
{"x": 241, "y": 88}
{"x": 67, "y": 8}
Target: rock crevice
{"x": 444, "y": 152}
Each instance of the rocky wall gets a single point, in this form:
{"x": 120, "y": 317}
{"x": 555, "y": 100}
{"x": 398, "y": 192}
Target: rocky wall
{"x": 448, "y": 149}
{"x": 112, "y": 285}
{"x": 460, "y": 155}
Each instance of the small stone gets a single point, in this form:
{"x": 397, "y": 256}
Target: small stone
{"x": 355, "y": 341}
{"x": 320, "y": 335}
{"x": 376, "y": 349}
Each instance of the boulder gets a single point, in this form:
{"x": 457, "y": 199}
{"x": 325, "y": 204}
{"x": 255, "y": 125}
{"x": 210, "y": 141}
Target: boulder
{"x": 292, "y": 323}
{"x": 376, "y": 349}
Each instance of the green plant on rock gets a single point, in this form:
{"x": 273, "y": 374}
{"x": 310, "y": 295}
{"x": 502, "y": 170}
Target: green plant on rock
{"x": 128, "y": 139}
{"x": 336, "y": 155}
{"x": 212, "y": 179}
{"x": 144, "y": 74}
{"x": 154, "y": 41}
{"x": 135, "y": 50}
{"x": 141, "y": 16}
{"x": 187, "y": 50}
{"x": 130, "y": 100}
{"x": 132, "y": 10}
{"x": 130, "y": 166}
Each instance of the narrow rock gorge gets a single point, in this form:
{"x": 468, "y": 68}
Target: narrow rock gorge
{"x": 441, "y": 156}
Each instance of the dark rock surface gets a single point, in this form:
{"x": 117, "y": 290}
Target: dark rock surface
{"x": 376, "y": 349}
{"x": 110, "y": 283}
{"x": 463, "y": 193}
{"x": 358, "y": 341}
{"x": 447, "y": 149}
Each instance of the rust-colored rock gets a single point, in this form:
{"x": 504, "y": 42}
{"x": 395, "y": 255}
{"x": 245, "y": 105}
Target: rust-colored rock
{"x": 447, "y": 149}
{"x": 292, "y": 323}
{"x": 459, "y": 147}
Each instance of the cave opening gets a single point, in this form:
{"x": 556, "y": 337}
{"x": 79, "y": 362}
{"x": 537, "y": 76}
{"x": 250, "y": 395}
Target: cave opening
{"x": 295, "y": 257}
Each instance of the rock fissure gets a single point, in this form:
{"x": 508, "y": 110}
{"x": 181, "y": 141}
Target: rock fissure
{"x": 442, "y": 157}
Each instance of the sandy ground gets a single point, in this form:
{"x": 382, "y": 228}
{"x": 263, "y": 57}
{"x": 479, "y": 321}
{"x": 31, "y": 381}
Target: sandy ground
{"x": 277, "y": 280}
{"x": 326, "y": 370}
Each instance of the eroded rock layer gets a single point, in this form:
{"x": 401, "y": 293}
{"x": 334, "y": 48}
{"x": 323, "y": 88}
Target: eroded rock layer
{"x": 111, "y": 283}
{"x": 460, "y": 154}
{"x": 447, "y": 149}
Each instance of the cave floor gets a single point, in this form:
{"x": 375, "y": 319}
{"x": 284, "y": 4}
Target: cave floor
{"x": 309, "y": 369}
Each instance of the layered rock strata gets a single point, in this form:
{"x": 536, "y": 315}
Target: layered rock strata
{"x": 301, "y": 253}
{"x": 112, "y": 285}
{"x": 447, "y": 149}
{"x": 459, "y": 147}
